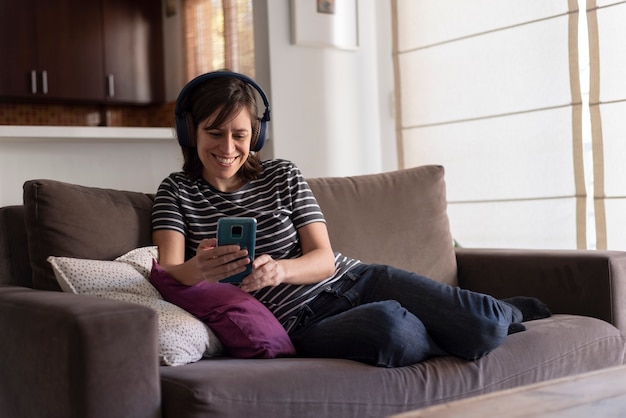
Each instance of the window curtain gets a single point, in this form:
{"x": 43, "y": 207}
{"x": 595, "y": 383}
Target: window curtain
{"x": 490, "y": 89}
{"x": 607, "y": 103}
{"x": 218, "y": 34}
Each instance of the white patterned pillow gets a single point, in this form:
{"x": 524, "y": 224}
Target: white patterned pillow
{"x": 182, "y": 337}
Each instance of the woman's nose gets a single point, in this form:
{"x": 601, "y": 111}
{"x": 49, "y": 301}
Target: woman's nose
{"x": 228, "y": 144}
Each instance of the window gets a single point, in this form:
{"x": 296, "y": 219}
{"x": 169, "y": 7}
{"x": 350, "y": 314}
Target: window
{"x": 218, "y": 34}
{"x": 523, "y": 103}
{"x": 607, "y": 106}
{"x": 490, "y": 89}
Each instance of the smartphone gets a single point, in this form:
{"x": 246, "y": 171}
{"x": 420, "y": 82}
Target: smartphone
{"x": 241, "y": 231}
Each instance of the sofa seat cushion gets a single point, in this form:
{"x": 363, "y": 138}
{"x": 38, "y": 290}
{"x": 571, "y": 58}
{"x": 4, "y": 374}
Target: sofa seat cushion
{"x": 550, "y": 348}
{"x": 397, "y": 218}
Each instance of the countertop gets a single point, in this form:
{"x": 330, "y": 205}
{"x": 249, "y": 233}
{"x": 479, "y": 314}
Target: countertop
{"x": 10, "y": 132}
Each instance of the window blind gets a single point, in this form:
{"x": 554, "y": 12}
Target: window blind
{"x": 490, "y": 90}
{"x": 218, "y": 34}
{"x": 607, "y": 104}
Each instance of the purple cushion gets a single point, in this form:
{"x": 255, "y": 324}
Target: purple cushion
{"x": 244, "y": 326}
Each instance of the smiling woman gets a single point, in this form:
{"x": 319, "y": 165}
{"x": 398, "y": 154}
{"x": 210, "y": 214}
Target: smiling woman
{"x": 218, "y": 34}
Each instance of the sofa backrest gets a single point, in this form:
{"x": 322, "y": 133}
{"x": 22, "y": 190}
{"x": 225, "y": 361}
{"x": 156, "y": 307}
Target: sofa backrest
{"x": 397, "y": 218}
{"x": 14, "y": 260}
{"x": 69, "y": 220}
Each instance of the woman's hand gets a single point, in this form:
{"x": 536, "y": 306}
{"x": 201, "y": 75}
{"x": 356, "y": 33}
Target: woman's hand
{"x": 265, "y": 272}
{"x": 213, "y": 263}
{"x": 315, "y": 264}
{"x": 217, "y": 263}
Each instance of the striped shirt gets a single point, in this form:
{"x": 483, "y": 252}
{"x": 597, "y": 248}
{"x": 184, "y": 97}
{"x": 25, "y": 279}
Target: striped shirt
{"x": 281, "y": 202}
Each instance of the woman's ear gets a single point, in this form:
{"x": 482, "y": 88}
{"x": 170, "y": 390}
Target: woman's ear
{"x": 256, "y": 129}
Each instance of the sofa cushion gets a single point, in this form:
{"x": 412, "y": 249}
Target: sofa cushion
{"x": 182, "y": 338}
{"x": 397, "y": 218}
{"x": 14, "y": 261}
{"x": 63, "y": 220}
{"x": 561, "y": 345}
{"x": 246, "y": 328}
{"x": 68, "y": 220}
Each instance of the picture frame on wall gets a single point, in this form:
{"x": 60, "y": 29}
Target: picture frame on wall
{"x": 325, "y": 23}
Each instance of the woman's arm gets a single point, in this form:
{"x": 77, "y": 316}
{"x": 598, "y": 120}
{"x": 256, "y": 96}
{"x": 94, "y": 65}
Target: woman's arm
{"x": 210, "y": 263}
{"x": 316, "y": 263}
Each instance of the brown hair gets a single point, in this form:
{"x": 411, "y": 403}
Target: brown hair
{"x": 225, "y": 97}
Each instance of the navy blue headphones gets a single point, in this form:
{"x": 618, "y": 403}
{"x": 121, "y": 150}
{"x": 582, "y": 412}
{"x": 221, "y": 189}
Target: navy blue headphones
{"x": 181, "y": 116}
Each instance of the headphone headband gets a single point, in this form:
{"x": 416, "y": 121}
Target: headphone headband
{"x": 180, "y": 115}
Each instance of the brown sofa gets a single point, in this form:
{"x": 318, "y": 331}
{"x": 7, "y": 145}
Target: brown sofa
{"x": 67, "y": 355}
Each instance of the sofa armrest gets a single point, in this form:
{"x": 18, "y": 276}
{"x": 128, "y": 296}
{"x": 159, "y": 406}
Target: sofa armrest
{"x": 582, "y": 282}
{"x": 67, "y": 355}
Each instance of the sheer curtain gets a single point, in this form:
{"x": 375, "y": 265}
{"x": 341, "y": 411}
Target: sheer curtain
{"x": 490, "y": 90}
{"x": 607, "y": 102}
{"x": 218, "y": 34}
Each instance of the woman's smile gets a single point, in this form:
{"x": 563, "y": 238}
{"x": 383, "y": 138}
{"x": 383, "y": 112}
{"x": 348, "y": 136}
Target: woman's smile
{"x": 225, "y": 161}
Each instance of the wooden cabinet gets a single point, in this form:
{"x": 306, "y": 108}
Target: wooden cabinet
{"x": 133, "y": 50}
{"x": 97, "y": 51}
{"x": 70, "y": 63}
{"x": 19, "y": 62}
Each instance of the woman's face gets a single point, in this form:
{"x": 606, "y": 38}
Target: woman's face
{"x": 223, "y": 150}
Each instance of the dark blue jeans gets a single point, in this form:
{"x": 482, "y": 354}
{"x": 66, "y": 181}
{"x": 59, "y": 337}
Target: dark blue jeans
{"x": 389, "y": 317}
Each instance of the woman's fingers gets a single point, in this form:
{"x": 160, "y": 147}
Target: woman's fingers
{"x": 265, "y": 272}
{"x": 217, "y": 263}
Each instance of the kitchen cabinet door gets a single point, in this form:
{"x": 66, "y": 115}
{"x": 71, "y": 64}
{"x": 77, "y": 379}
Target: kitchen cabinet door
{"x": 18, "y": 72}
{"x": 133, "y": 51}
{"x": 69, "y": 49}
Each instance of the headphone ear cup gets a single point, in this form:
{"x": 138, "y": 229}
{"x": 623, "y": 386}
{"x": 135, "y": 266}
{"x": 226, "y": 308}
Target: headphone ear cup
{"x": 182, "y": 131}
{"x": 261, "y": 135}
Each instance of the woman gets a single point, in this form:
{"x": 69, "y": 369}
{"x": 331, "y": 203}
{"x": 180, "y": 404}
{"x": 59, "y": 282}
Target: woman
{"x": 331, "y": 305}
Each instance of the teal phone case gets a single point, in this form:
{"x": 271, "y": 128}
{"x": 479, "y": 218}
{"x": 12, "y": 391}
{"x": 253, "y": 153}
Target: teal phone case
{"x": 241, "y": 231}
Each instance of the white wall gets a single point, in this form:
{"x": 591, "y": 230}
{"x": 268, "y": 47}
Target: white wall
{"x": 119, "y": 158}
{"x": 331, "y": 109}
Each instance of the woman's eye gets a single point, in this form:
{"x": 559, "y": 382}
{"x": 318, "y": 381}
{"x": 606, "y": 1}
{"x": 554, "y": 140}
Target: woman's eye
{"x": 220, "y": 134}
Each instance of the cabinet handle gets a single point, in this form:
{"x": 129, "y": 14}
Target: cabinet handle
{"x": 111, "y": 84}
{"x": 33, "y": 81}
{"x": 44, "y": 82}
